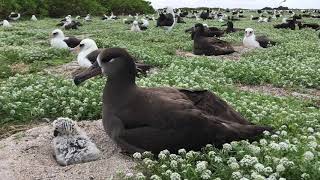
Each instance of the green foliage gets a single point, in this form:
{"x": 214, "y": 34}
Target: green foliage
{"x": 60, "y": 8}
{"x": 128, "y": 6}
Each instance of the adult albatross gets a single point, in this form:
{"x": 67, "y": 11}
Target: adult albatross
{"x": 153, "y": 119}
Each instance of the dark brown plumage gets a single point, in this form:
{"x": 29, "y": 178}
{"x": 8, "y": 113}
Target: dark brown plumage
{"x": 231, "y": 29}
{"x": 209, "y": 46}
{"x": 154, "y": 119}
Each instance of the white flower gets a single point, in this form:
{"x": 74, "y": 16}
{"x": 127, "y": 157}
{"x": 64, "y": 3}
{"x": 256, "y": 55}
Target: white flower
{"x": 234, "y": 144}
{"x": 282, "y": 178}
{"x": 163, "y": 166}
{"x": 217, "y": 159}
{"x": 227, "y": 147}
{"x": 148, "y": 162}
{"x": 231, "y": 160}
{"x": 308, "y": 155}
{"x": 162, "y": 156}
{"x": 254, "y": 149}
{"x": 129, "y": 175}
{"x": 259, "y": 167}
{"x": 166, "y": 152}
{"x": 280, "y": 168}
{"x": 268, "y": 170}
{"x": 182, "y": 151}
{"x": 247, "y": 160}
{"x": 175, "y": 176}
{"x": 174, "y": 164}
{"x": 313, "y": 144}
{"x": 263, "y": 142}
{"x": 257, "y": 176}
{"x": 266, "y": 133}
{"x": 305, "y": 176}
{"x": 173, "y": 156}
{"x": 137, "y": 155}
{"x": 201, "y": 166}
{"x": 236, "y": 175}
{"x": 310, "y": 130}
{"x": 244, "y": 178}
{"x": 274, "y": 146}
{"x": 283, "y": 133}
{"x": 211, "y": 154}
{"x": 206, "y": 174}
{"x": 283, "y": 146}
{"x": 234, "y": 166}
{"x": 12, "y": 112}
{"x": 140, "y": 176}
{"x": 168, "y": 172}
{"x": 155, "y": 177}
{"x": 190, "y": 154}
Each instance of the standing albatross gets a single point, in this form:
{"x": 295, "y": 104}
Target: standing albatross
{"x": 153, "y": 119}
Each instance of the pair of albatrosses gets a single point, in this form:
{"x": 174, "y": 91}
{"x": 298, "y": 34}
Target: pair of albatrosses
{"x": 153, "y": 119}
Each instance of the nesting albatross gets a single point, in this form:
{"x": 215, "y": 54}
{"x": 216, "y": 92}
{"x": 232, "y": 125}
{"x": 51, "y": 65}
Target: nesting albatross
{"x": 167, "y": 20}
{"x": 209, "y": 46}
{"x": 153, "y": 119}
{"x": 251, "y": 41}
{"x": 60, "y": 41}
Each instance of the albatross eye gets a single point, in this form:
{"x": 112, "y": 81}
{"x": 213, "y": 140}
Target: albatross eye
{"x": 81, "y": 45}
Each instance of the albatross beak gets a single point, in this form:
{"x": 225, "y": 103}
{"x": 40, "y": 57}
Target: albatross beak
{"x": 75, "y": 49}
{"x": 92, "y": 71}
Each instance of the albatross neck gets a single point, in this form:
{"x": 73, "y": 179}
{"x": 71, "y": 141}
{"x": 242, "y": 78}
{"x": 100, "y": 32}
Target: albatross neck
{"x": 120, "y": 84}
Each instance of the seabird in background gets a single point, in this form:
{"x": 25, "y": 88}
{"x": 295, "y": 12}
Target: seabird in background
{"x": 60, "y": 41}
{"x": 205, "y": 15}
{"x": 251, "y": 41}
{"x": 34, "y": 18}
{"x": 290, "y": 24}
{"x": 166, "y": 118}
{"x": 135, "y": 26}
{"x": 88, "y": 53}
{"x": 167, "y": 20}
{"x": 314, "y": 26}
{"x": 14, "y": 16}
{"x": 230, "y": 28}
{"x": 6, "y": 24}
{"x": 209, "y": 46}
{"x": 88, "y": 18}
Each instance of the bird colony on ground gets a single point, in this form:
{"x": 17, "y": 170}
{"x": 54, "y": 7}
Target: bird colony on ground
{"x": 173, "y": 97}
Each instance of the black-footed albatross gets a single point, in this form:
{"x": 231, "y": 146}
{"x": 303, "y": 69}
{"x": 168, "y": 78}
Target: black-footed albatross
{"x": 209, "y": 46}
{"x": 153, "y": 119}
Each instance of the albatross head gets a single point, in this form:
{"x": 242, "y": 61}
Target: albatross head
{"x": 88, "y": 44}
{"x": 57, "y": 33}
{"x": 116, "y": 63}
{"x": 249, "y": 32}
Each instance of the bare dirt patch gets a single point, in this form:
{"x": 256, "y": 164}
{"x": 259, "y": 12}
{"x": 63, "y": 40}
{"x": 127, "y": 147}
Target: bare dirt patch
{"x": 20, "y": 68}
{"x": 240, "y": 50}
{"x": 28, "y": 155}
{"x": 68, "y": 70}
{"x": 275, "y": 91}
